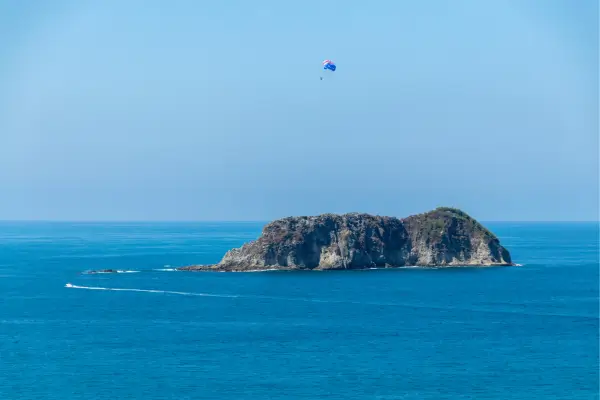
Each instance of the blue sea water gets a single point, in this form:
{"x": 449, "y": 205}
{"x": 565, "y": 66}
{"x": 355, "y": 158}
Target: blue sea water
{"x": 528, "y": 332}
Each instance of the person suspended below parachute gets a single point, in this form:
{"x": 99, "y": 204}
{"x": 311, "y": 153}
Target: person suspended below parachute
{"x": 328, "y": 67}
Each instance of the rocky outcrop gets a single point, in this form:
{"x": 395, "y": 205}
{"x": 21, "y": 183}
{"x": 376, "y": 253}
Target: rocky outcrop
{"x": 102, "y": 271}
{"x": 442, "y": 237}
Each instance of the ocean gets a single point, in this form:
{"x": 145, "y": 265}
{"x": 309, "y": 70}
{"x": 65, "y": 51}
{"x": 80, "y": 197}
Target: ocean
{"x": 527, "y": 332}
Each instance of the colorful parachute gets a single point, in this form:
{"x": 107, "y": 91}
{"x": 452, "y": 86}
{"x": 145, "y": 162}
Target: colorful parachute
{"x": 328, "y": 65}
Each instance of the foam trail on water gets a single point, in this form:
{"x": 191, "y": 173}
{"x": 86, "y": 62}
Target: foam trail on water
{"x": 165, "y": 268}
{"x": 340, "y": 301}
{"x": 148, "y": 291}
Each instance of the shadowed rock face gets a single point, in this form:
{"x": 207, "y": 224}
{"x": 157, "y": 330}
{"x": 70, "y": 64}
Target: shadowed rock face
{"x": 443, "y": 237}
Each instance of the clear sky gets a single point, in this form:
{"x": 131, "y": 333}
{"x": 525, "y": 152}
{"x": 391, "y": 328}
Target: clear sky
{"x": 213, "y": 110}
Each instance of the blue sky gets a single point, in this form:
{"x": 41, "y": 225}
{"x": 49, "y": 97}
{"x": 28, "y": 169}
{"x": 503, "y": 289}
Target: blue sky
{"x": 198, "y": 110}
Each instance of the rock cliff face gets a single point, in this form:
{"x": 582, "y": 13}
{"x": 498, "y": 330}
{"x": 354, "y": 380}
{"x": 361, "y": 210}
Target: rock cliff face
{"x": 442, "y": 237}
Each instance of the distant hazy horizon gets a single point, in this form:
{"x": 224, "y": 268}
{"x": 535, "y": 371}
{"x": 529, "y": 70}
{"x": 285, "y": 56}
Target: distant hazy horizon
{"x": 249, "y": 221}
{"x": 199, "y": 111}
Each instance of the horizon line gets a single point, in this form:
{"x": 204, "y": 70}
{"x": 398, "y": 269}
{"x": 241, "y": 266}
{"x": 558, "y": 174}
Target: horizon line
{"x": 197, "y": 221}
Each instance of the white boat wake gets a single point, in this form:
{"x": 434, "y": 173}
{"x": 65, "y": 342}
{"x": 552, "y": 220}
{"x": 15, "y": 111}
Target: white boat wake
{"x": 472, "y": 308}
{"x": 69, "y": 285}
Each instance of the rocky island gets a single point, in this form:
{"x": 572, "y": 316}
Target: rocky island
{"x": 442, "y": 237}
